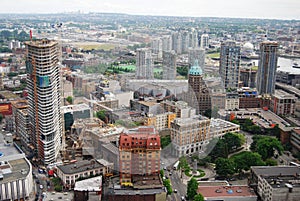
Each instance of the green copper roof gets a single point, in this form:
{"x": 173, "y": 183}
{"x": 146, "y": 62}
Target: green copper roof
{"x": 195, "y": 69}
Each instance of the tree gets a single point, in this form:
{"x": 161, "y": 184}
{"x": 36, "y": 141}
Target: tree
{"x": 233, "y": 140}
{"x": 199, "y": 197}
{"x": 101, "y": 115}
{"x": 246, "y": 159}
{"x": 69, "y": 99}
{"x": 167, "y": 184}
{"x": 192, "y": 188}
{"x": 1, "y": 118}
{"x": 271, "y": 162}
{"x": 266, "y": 146}
{"x": 224, "y": 167}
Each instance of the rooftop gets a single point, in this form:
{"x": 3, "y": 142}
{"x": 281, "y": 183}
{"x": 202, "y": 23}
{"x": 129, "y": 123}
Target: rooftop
{"x": 280, "y": 94}
{"x": 226, "y": 191}
{"x": 266, "y": 171}
{"x": 41, "y": 43}
{"x": 80, "y": 166}
{"x": 93, "y": 184}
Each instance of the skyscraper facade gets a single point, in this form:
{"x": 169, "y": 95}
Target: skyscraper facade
{"x": 44, "y": 98}
{"x": 229, "y": 68}
{"x": 144, "y": 64}
{"x": 198, "y": 93}
{"x": 139, "y": 153}
{"x": 266, "y": 75}
{"x": 169, "y": 65}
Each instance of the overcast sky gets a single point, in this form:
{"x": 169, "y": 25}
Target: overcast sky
{"x": 277, "y": 9}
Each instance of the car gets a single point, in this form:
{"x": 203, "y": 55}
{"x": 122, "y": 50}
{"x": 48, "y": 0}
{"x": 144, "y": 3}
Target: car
{"x": 165, "y": 168}
{"x": 182, "y": 198}
{"x": 41, "y": 186}
{"x": 175, "y": 190}
{"x": 170, "y": 173}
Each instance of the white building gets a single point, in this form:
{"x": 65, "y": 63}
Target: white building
{"x": 44, "y": 98}
{"x": 144, "y": 64}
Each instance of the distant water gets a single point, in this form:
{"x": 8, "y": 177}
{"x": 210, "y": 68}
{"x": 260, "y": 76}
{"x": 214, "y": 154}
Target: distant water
{"x": 285, "y": 64}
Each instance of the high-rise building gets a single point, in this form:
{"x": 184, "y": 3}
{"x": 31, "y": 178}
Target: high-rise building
{"x": 204, "y": 41}
{"x": 166, "y": 43}
{"x": 139, "y": 154}
{"x": 156, "y": 47}
{"x": 44, "y": 98}
{"x": 198, "y": 93}
{"x": 169, "y": 65}
{"x": 196, "y": 54}
{"x": 144, "y": 64}
{"x": 266, "y": 74}
{"x": 230, "y": 64}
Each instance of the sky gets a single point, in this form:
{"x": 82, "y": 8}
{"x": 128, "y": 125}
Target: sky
{"x": 270, "y": 9}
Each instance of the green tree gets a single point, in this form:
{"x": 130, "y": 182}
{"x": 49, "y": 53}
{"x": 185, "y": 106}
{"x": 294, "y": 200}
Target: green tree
{"x": 199, "y": 197}
{"x": 165, "y": 141}
{"x": 271, "y": 162}
{"x": 233, "y": 140}
{"x": 266, "y": 146}
{"x": 1, "y": 118}
{"x": 192, "y": 188}
{"x": 101, "y": 115}
{"x": 167, "y": 184}
{"x": 246, "y": 159}
{"x": 225, "y": 167}
{"x": 220, "y": 150}
{"x": 70, "y": 99}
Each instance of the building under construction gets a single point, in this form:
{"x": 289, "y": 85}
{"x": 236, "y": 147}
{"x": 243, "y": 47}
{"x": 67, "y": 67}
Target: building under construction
{"x": 44, "y": 98}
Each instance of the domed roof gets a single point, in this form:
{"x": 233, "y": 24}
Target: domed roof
{"x": 248, "y": 46}
{"x": 195, "y": 69}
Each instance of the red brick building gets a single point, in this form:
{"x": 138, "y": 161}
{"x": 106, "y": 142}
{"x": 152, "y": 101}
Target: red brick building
{"x": 139, "y": 154}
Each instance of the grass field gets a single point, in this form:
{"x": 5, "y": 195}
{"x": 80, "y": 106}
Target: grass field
{"x": 214, "y": 55}
{"x": 130, "y": 67}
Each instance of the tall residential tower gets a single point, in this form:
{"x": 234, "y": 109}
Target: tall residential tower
{"x": 144, "y": 64}
{"x": 266, "y": 75}
{"x": 230, "y": 64}
{"x": 44, "y": 99}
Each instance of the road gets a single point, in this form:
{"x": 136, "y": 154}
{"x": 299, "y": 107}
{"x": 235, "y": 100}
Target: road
{"x": 177, "y": 184}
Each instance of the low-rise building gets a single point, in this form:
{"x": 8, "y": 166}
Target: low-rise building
{"x": 283, "y": 103}
{"x": 180, "y": 108}
{"x": 248, "y": 98}
{"x": 88, "y": 189}
{"x": 232, "y": 101}
{"x": 295, "y": 139}
{"x": 160, "y": 121}
{"x": 81, "y": 169}
{"x": 227, "y": 193}
{"x": 280, "y": 183}
{"x": 16, "y": 182}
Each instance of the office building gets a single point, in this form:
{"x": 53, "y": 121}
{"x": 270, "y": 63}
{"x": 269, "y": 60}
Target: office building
{"x": 275, "y": 182}
{"x": 266, "y": 74}
{"x": 169, "y": 65}
{"x": 198, "y": 94}
{"x": 44, "y": 98}
{"x": 180, "y": 108}
{"x": 192, "y": 135}
{"x": 295, "y": 139}
{"x": 139, "y": 154}
{"x": 144, "y": 64}
{"x": 230, "y": 64}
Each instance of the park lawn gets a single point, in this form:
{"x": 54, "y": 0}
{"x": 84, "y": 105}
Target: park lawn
{"x": 214, "y": 55}
{"x": 129, "y": 67}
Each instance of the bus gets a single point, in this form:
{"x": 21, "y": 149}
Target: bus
{"x": 176, "y": 165}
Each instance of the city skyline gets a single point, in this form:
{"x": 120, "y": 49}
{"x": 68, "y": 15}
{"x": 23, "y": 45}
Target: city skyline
{"x": 277, "y": 9}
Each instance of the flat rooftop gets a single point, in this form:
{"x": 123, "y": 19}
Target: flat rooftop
{"x": 226, "y": 191}
{"x": 80, "y": 166}
{"x": 280, "y": 94}
{"x": 92, "y": 184}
